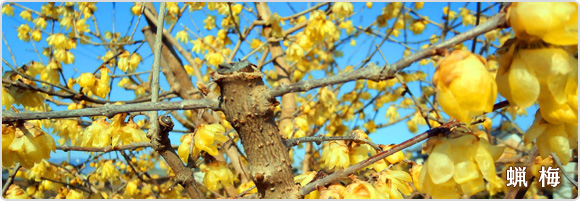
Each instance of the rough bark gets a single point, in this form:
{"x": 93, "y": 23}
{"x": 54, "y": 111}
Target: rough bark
{"x": 183, "y": 175}
{"x": 250, "y": 110}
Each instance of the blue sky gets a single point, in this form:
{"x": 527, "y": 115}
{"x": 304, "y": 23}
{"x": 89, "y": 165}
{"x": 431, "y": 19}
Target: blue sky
{"x": 86, "y": 55}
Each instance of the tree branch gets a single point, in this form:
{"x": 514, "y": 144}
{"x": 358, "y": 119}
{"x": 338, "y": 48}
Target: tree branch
{"x": 318, "y": 139}
{"x": 10, "y": 180}
{"x": 105, "y": 149}
{"x": 111, "y": 110}
{"x": 374, "y": 72}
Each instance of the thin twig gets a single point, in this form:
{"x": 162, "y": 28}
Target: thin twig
{"x": 153, "y": 132}
{"x": 319, "y": 139}
{"x": 9, "y": 50}
{"x": 562, "y": 170}
{"x": 10, "y": 179}
{"x": 478, "y": 15}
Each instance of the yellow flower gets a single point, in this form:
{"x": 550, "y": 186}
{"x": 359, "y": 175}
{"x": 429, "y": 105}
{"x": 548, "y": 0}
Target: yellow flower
{"x": 473, "y": 161}
{"x": 66, "y": 22}
{"x": 68, "y": 129}
{"x": 415, "y": 172}
{"x": 548, "y": 75}
{"x": 370, "y": 126}
{"x": 418, "y": 5}
{"x": 394, "y": 158}
{"x": 86, "y": 80}
{"x": 217, "y": 175}
{"x": 193, "y": 6}
{"x": 129, "y": 133}
{"x": 8, "y": 10}
{"x": 394, "y": 183}
{"x": 369, "y": 5}
{"x": 347, "y": 26}
{"x": 59, "y": 41}
{"x": 342, "y": 9}
{"x": 98, "y": 134}
{"x": 64, "y": 56}
{"x": 123, "y": 62}
{"x": 465, "y": 87}
{"x": 362, "y": 190}
{"x": 23, "y": 32}
{"x": 36, "y": 35}
{"x": 214, "y": 58}
{"x": 392, "y": 115}
{"x": 81, "y": 26}
{"x": 209, "y": 22}
{"x": 87, "y": 8}
{"x": 334, "y": 191}
{"x": 106, "y": 171}
{"x": 15, "y": 192}
{"x": 75, "y": 194}
{"x": 182, "y": 36}
{"x": 133, "y": 62}
{"x": 304, "y": 179}
{"x": 172, "y": 8}
{"x": 294, "y": 53}
{"x": 26, "y": 144}
{"x": 183, "y": 149}
{"x": 209, "y": 138}
{"x": 136, "y": 9}
{"x": 237, "y": 8}
{"x": 361, "y": 152}
{"x": 418, "y": 26}
{"x": 49, "y": 9}
{"x": 468, "y": 20}
{"x": 556, "y": 138}
{"x": 40, "y": 22}
{"x": 255, "y": 43}
{"x": 131, "y": 189}
{"x": 26, "y": 15}
{"x": 245, "y": 186}
{"x": 335, "y": 155}
{"x": 7, "y": 98}
{"x": 552, "y": 22}
{"x": 449, "y": 13}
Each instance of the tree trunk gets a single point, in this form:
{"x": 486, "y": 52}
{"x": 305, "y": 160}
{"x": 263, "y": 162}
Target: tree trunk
{"x": 249, "y": 108}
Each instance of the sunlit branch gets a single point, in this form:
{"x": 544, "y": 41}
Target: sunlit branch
{"x": 374, "y": 73}
{"x": 110, "y": 110}
{"x": 319, "y": 139}
{"x": 395, "y": 121}
{"x": 304, "y": 11}
{"x": 105, "y": 149}
{"x": 562, "y": 170}
{"x": 10, "y": 179}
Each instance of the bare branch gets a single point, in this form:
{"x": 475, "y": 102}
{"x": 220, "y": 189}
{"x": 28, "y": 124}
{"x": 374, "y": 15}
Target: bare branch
{"x": 318, "y": 139}
{"x": 304, "y": 11}
{"x": 10, "y": 179}
{"x": 107, "y": 148}
{"x": 562, "y": 170}
{"x": 111, "y": 110}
